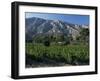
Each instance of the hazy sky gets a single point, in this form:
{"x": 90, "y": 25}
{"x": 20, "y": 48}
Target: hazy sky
{"x": 71, "y": 18}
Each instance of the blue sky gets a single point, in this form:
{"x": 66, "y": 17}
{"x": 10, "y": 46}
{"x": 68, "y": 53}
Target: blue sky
{"x": 71, "y": 18}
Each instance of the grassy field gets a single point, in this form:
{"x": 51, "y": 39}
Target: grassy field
{"x": 56, "y": 55}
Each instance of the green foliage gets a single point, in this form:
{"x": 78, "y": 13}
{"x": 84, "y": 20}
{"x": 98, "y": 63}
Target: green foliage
{"x": 38, "y": 39}
{"x": 84, "y": 32}
{"x": 84, "y": 36}
{"x": 70, "y": 54}
{"x": 46, "y": 41}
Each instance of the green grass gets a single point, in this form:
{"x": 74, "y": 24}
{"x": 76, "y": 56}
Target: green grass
{"x": 68, "y": 54}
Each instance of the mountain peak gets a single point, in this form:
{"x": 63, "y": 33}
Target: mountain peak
{"x": 36, "y": 26}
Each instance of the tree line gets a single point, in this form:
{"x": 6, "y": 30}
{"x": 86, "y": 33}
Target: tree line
{"x": 83, "y": 37}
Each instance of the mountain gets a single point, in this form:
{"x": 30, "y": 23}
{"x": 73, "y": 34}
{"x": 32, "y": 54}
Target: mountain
{"x": 37, "y": 26}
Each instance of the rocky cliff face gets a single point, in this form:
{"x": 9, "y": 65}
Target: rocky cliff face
{"x": 36, "y": 26}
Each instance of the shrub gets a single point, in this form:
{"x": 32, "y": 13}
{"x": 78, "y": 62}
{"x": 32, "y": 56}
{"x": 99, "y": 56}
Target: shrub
{"x": 47, "y": 43}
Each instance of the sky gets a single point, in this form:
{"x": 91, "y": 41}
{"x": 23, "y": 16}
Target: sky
{"x": 71, "y": 18}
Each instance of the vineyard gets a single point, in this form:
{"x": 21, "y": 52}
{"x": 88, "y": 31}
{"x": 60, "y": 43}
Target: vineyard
{"x": 56, "y": 55}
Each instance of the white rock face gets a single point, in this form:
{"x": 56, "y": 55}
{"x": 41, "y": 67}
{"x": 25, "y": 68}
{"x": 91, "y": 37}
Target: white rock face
{"x": 36, "y": 26}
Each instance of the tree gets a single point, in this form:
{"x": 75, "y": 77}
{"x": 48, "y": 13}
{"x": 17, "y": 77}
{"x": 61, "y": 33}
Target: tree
{"x": 46, "y": 41}
{"x": 84, "y": 35}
